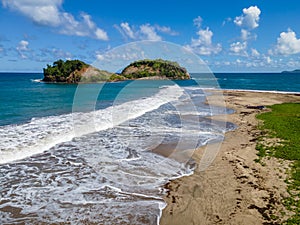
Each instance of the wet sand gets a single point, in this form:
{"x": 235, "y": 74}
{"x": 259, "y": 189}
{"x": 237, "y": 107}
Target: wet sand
{"x": 233, "y": 189}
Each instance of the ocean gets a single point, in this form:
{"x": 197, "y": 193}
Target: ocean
{"x": 93, "y": 153}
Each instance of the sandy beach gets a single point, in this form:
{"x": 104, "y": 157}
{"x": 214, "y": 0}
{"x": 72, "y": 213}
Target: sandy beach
{"x": 233, "y": 189}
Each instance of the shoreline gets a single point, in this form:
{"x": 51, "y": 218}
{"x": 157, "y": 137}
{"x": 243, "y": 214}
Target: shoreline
{"x": 233, "y": 189}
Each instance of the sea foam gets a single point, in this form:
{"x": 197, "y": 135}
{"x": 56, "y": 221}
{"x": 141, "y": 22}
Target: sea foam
{"x": 40, "y": 134}
{"x": 107, "y": 172}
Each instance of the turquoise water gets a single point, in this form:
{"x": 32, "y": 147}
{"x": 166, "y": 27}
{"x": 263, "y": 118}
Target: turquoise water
{"x": 260, "y": 81}
{"x": 22, "y": 99}
{"x": 84, "y": 154}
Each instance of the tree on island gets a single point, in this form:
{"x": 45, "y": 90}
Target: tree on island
{"x": 64, "y": 71}
{"x": 75, "y": 71}
{"x": 159, "y": 68}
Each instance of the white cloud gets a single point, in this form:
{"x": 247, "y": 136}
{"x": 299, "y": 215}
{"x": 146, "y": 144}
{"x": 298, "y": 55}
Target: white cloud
{"x": 22, "y": 48}
{"x": 85, "y": 28}
{"x": 100, "y": 57}
{"x": 144, "y": 32}
{"x": 287, "y": 43}
{"x": 293, "y": 63}
{"x": 101, "y": 34}
{"x": 127, "y": 30}
{"x": 239, "y": 48}
{"x": 205, "y": 36}
{"x": 43, "y": 12}
{"x": 203, "y": 44}
{"x": 268, "y": 59}
{"x": 149, "y": 33}
{"x": 255, "y": 53}
{"x": 50, "y": 13}
{"x": 166, "y": 30}
{"x": 198, "y": 21}
{"x": 57, "y": 53}
{"x": 249, "y": 19}
{"x": 245, "y": 35}
{"x": 114, "y": 56}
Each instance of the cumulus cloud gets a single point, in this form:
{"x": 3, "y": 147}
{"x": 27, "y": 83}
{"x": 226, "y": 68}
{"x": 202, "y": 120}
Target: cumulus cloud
{"x": 245, "y": 35}
{"x": 249, "y": 19}
{"x": 22, "y": 48}
{"x": 85, "y": 28}
{"x": 287, "y": 43}
{"x": 127, "y": 30}
{"x": 50, "y": 13}
{"x": 203, "y": 45}
{"x": 51, "y": 54}
{"x": 110, "y": 57}
{"x": 59, "y": 53}
{"x": 144, "y": 32}
{"x": 166, "y": 30}
{"x": 149, "y": 33}
{"x": 268, "y": 59}
{"x": 43, "y": 12}
{"x": 292, "y": 63}
{"x": 239, "y": 48}
{"x": 255, "y": 53}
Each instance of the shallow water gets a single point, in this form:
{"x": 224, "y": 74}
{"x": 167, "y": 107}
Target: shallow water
{"x": 98, "y": 167}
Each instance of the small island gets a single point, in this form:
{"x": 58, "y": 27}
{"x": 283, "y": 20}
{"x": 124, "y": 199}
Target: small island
{"x": 155, "y": 69}
{"x": 75, "y": 71}
{"x": 294, "y": 71}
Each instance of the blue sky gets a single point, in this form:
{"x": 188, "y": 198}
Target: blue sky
{"x": 230, "y": 36}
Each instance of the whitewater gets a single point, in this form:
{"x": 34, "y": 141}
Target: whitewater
{"x": 100, "y": 166}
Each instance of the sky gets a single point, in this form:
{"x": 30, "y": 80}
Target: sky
{"x": 230, "y": 36}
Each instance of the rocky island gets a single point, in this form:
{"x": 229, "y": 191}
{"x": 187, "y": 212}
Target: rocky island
{"x": 75, "y": 71}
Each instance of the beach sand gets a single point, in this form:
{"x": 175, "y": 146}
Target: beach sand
{"x": 233, "y": 189}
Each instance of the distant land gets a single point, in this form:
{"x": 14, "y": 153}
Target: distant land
{"x": 294, "y": 71}
{"x": 75, "y": 71}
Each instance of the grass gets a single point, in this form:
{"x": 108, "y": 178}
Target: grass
{"x": 283, "y": 123}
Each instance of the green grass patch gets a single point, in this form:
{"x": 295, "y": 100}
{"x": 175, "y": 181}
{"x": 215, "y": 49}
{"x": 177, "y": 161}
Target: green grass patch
{"x": 283, "y": 122}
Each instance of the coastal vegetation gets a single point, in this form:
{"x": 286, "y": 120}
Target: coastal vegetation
{"x": 75, "y": 71}
{"x": 158, "y": 68}
{"x": 282, "y": 124}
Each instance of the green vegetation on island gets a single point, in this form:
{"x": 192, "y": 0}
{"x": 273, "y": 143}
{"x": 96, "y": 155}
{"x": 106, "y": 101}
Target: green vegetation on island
{"x": 75, "y": 71}
{"x": 283, "y": 123}
{"x": 160, "y": 69}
